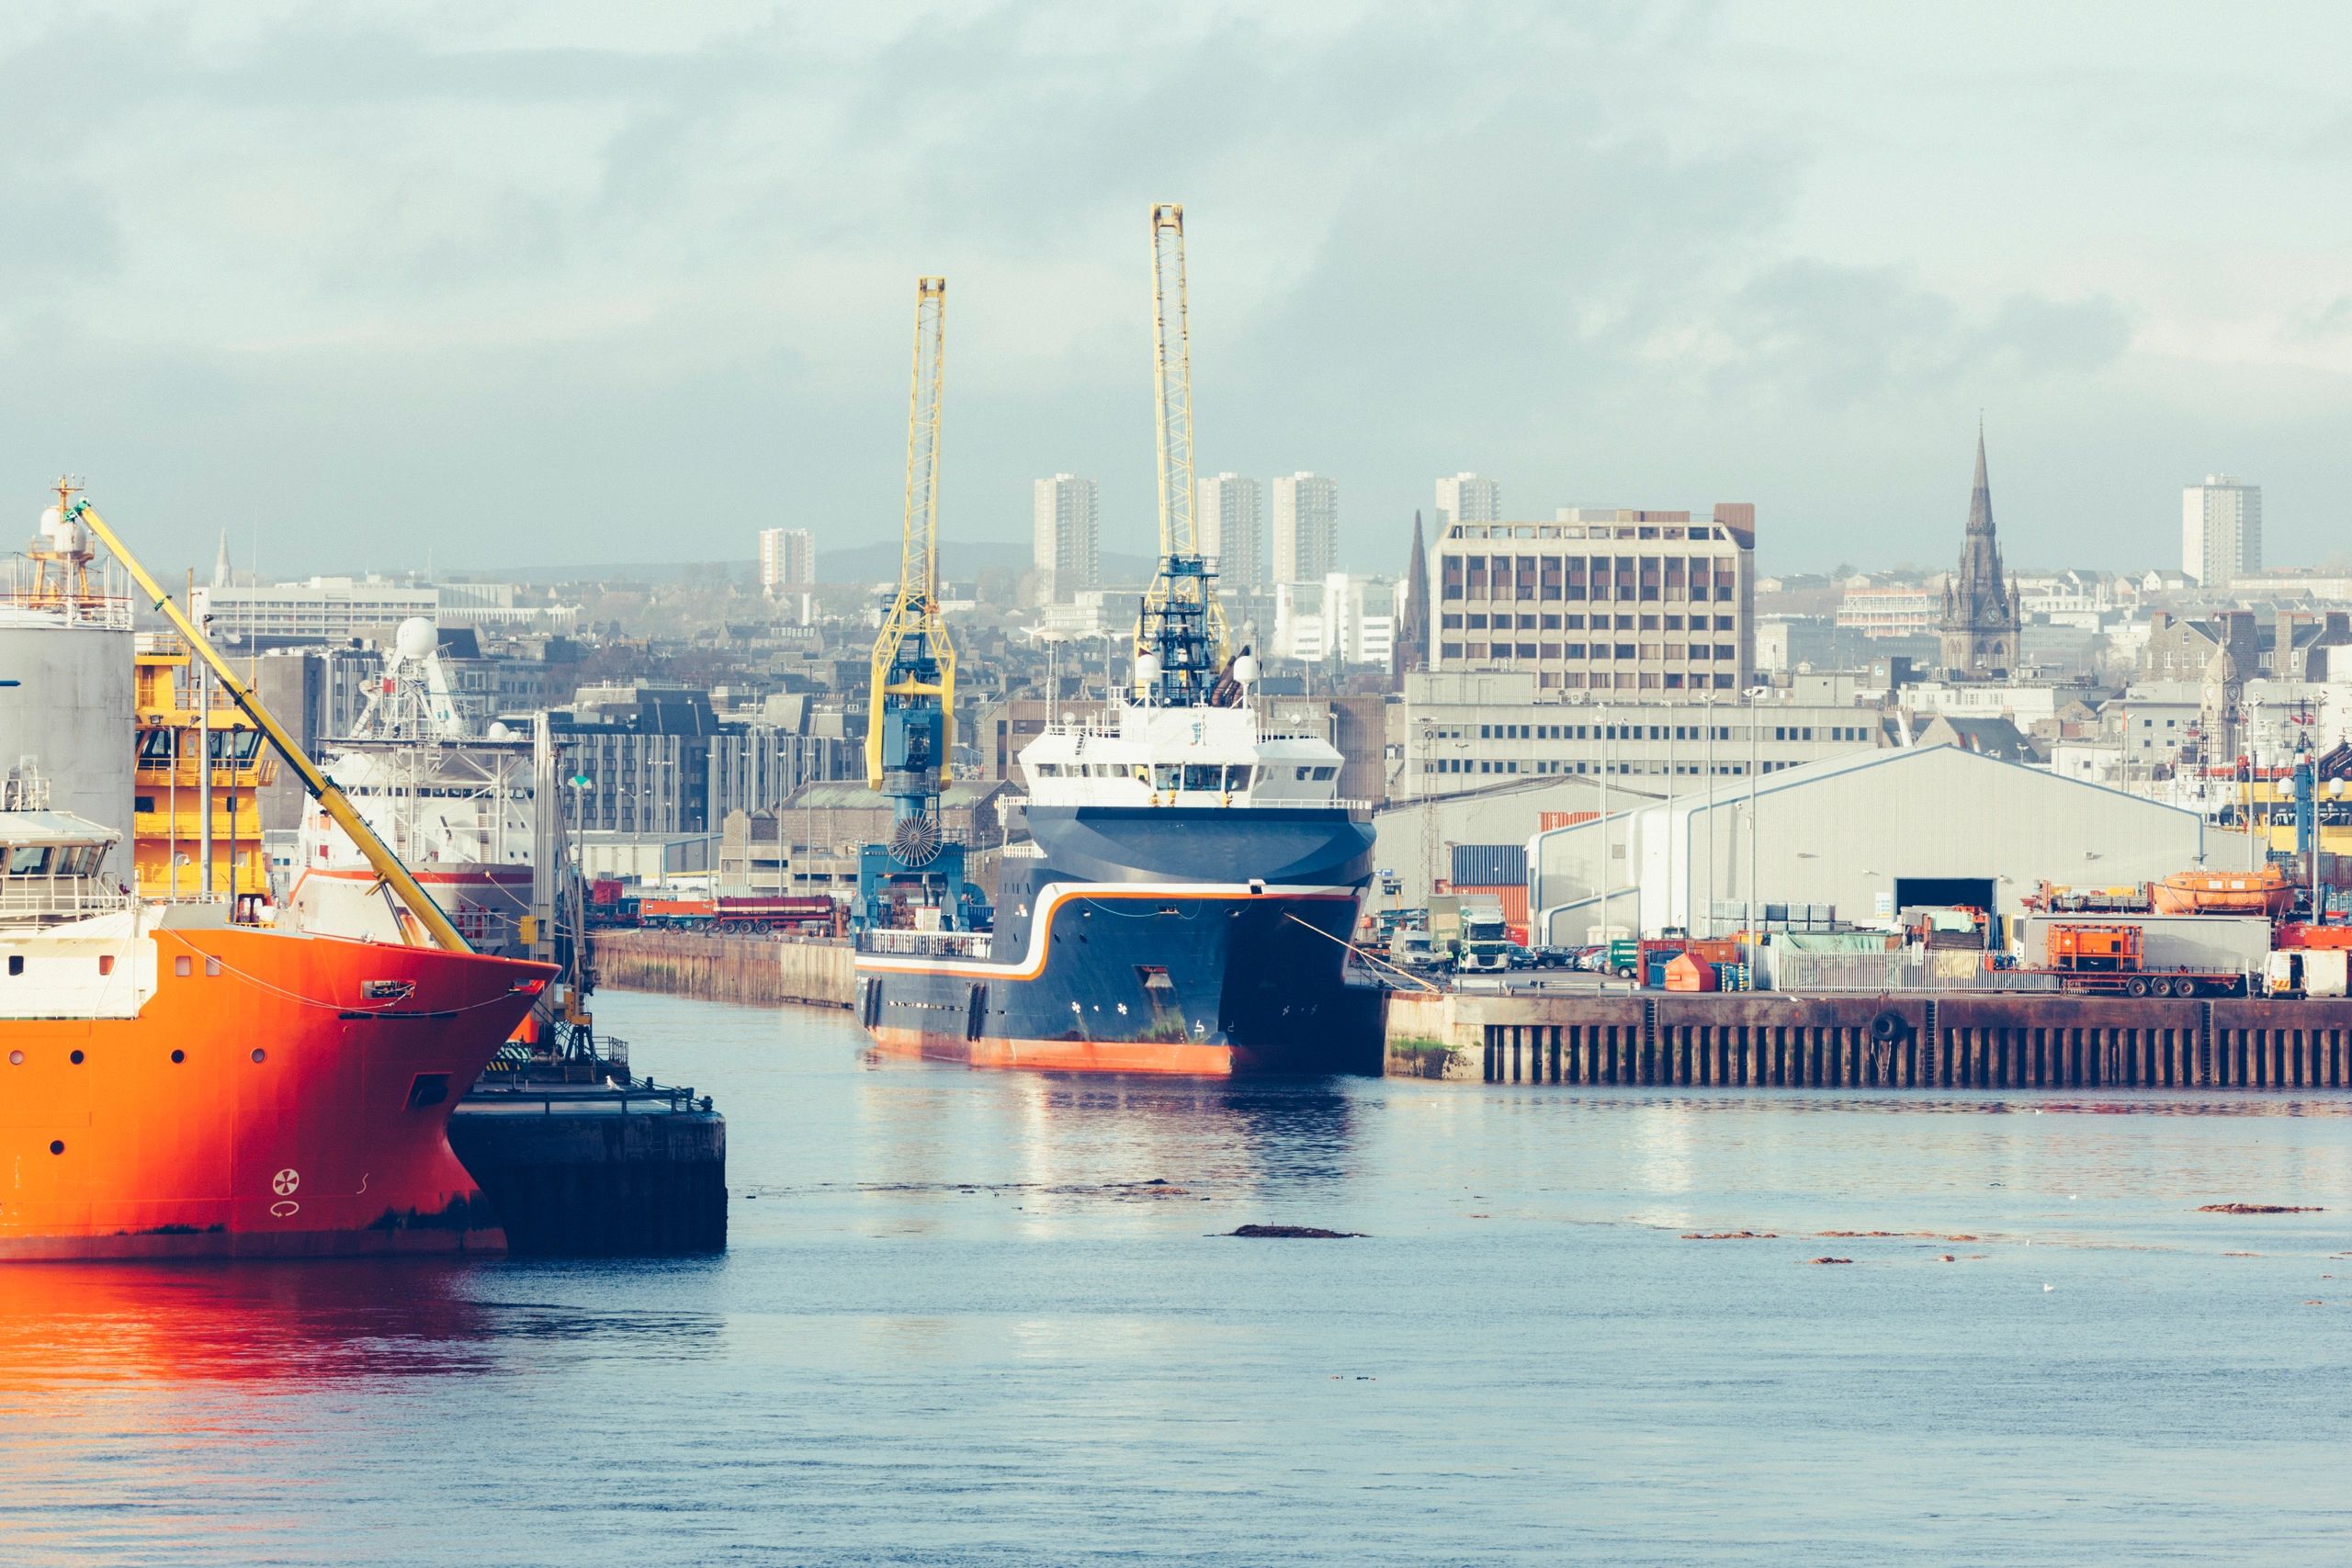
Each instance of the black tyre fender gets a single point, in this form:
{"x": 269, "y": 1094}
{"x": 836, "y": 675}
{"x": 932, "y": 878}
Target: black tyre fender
{"x": 1889, "y": 1026}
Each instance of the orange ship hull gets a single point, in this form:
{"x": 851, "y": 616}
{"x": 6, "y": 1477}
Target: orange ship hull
{"x": 276, "y": 1095}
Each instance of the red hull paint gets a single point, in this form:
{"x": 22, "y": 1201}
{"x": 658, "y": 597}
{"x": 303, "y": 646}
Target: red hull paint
{"x": 332, "y": 1143}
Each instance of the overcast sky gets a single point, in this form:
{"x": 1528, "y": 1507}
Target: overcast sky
{"x": 589, "y": 281}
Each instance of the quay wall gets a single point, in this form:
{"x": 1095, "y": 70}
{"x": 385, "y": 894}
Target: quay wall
{"x": 1907, "y": 1040}
{"x": 762, "y": 970}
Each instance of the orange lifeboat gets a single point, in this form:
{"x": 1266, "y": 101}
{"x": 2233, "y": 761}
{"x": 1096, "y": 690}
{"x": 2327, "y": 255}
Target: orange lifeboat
{"x": 2264, "y": 892}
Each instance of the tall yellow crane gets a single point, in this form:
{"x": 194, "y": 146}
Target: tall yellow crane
{"x": 911, "y": 721}
{"x": 914, "y": 663}
{"x": 1180, "y": 633}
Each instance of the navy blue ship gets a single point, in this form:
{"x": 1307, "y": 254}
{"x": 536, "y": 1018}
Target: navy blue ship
{"x": 1185, "y": 906}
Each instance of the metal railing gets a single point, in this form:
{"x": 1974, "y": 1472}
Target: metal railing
{"x": 927, "y": 944}
{"x": 56, "y": 897}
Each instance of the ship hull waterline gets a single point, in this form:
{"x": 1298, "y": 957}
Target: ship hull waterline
{"x": 1179, "y": 980}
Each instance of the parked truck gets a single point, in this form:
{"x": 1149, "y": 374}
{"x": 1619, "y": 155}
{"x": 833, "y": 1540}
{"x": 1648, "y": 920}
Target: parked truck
{"x": 1486, "y": 941}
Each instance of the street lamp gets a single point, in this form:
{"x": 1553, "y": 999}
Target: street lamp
{"x": 1755, "y": 727}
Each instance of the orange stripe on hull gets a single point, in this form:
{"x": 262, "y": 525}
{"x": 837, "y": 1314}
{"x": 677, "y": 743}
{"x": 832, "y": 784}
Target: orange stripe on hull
{"x": 301, "y": 1117}
{"x": 1182, "y": 1059}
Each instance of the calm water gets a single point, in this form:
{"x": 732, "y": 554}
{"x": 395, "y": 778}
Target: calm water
{"x": 957, "y": 1326}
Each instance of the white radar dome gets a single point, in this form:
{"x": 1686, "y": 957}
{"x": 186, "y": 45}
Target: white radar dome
{"x": 416, "y": 638}
{"x": 1245, "y": 671}
{"x": 498, "y": 731}
{"x": 1147, "y": 670}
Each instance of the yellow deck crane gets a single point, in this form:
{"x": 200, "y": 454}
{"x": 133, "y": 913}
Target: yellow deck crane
{"x": 1180, "y": 633}
{"x": 910, "y": 722}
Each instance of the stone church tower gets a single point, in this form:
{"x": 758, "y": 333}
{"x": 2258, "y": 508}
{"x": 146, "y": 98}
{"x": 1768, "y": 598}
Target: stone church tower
{"x": 1981, "y": 626}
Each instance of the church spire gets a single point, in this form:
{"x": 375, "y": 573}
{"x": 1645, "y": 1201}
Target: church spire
{"x": 220, "y": 562}
{"x": 1980, "y": 504}
{"x": 1410, "y": 650}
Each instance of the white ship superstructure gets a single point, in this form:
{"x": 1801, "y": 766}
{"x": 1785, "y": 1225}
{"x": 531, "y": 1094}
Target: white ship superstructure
{"x": 455, "y": 806}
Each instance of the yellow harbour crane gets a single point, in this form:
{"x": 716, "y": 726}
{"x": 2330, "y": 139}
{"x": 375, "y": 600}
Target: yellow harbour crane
{"x": 911, "y": 721}
{"x": 1180, "y": 633}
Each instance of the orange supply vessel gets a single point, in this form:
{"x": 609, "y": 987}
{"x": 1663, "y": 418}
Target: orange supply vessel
{"x": 2263, "y": 892}
{"x": 172, "y": 1084}
{"x": 175, "y": 1086}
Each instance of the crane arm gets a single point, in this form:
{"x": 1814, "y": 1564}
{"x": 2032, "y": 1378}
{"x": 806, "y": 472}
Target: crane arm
{"x": 913, "y": 658}
{"x": 331, "y": 799}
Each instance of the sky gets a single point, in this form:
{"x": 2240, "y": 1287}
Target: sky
{"x": 497, "y": 284}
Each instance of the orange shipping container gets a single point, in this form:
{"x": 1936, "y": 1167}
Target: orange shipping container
{"x": 1547, "y": 821}
{"x": 1512, "y": 896}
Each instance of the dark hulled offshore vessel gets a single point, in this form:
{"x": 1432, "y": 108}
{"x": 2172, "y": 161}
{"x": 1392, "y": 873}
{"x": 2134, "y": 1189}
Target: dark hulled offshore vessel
{"x": 1191, "y": 881}
{"x": 1193, "y": 885}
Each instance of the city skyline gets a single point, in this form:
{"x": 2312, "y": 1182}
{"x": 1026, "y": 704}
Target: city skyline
{"x": 1720, "y": 292}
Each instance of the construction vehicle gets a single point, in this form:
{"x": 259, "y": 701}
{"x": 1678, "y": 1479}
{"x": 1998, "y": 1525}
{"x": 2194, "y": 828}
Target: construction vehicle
{"x": 916, "y": 877}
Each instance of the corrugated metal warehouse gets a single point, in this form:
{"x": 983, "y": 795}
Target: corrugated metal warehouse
{"x": 1505, "y": 814}
{"x": 1867, "y": 834}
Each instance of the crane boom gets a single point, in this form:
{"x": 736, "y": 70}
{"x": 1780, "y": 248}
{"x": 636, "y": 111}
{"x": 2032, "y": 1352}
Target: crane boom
{"x": 1180, "y": 629}
{"x": 1171, "y": 371}
{"x": 914, "y": 663}
{"x": 380, "y": 858}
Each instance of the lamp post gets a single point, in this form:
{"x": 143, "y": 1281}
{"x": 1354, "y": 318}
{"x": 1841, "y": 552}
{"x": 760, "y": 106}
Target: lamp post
{"x": 1603, "y": 711}
{"x": 1709, "y": 702}
{"x": 1756, "y": 694}
{"x": 2252, "y": 767}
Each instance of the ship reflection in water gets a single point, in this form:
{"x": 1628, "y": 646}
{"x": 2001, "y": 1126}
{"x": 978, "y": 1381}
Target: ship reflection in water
{"x": 998, "y": 1317}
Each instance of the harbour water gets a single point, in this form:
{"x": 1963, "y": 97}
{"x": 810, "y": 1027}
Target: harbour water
{"x": 990, "y": 1318}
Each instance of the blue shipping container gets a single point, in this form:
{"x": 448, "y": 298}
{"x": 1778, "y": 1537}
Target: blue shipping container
{"x": 1489, "y": 865}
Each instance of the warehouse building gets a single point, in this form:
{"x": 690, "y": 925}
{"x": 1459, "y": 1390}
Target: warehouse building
{"x": 1867, "y": 835}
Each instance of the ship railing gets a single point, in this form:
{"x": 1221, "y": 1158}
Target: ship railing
{"x": 927, "y": 944}
{"x": 58, "y": 897}
{"x": 1025, "y": 849}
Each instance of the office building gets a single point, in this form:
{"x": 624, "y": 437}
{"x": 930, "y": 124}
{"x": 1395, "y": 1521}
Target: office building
{"x": 787, "y": 561}
{"x": 1306, "y": 527}
{"x": 318, "y": 610}
{"x": 1229, "y": 512}
{"x": 1467, "y": 498}
{"x": 1341, "y": 619}
{"x": 2221, "y": 530}
{"x": 1455, "y": 733}
{"x": 1066, "y": 538}
{"x": 1647, "y": 603}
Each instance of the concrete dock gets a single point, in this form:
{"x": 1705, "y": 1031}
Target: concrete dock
{"x": 1912, "y": 1040}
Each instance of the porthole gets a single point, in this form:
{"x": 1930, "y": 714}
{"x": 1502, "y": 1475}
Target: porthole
{"x": 15, "y": 1058}
{"x": 57, "y": 1145}
{"x": 260, "y": 1055}
{"x": 180, "y": 1056}
{"x": 75, "y": 1058}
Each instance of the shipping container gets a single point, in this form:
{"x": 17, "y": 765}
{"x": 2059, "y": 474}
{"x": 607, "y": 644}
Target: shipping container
{"x": 1547, "y": 821}
{"x": 1488, "y": 865}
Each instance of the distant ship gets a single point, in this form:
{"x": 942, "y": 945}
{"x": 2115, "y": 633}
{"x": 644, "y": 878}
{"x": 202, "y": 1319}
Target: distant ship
{"x": 1193, "y": 883}
{"x": 455, "y": 806}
